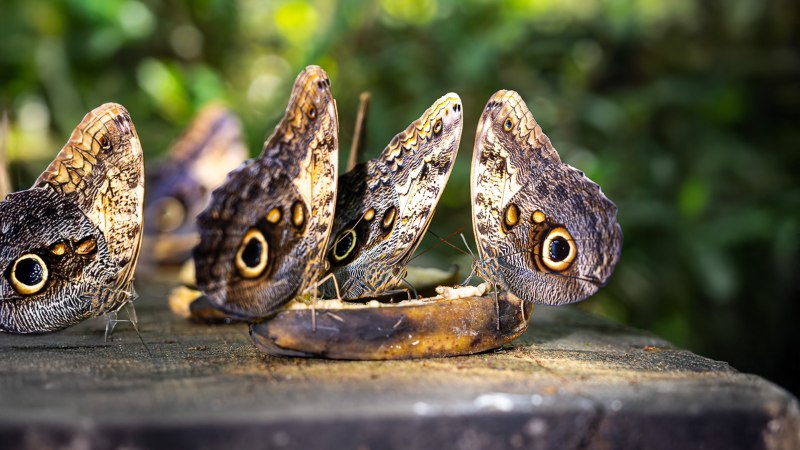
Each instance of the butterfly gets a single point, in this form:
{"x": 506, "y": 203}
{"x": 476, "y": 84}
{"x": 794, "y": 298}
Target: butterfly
{"x": 385, "y": 205}
{"x": 69, "y": 244}
{"x": 545, "y": 231}
{"x": 264, "y": 233}
{"x": 179, "y": 188}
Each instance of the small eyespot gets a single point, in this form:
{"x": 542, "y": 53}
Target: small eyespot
{"x": 28, "y": 274}
{"x": 298, "y": 215}
{"x": 169, "y": 214}
{"x": 558, "y": 250}
{"x": 274, "y": 215}
{"x": 388, "y": 219}
{"x": 538, "y": 217}
{"x": 344, "y": 245}
{"x": 252, "y": 256}
{"x": 510, "y": 217}
{"x": 437, "y": 127}
{"x": 105, "y": 143}
{"x": 86, "y": 246}
{"x": 58, "y": 248}
{"x": 369, "y": 215}
{"x": 311, "y": 112}
{"x": 508, "y": 124}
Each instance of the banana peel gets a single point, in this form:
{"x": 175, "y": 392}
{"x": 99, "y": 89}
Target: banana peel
{"x": 426, "y": 328}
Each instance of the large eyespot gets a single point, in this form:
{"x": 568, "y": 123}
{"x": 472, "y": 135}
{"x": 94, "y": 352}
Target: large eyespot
{"x": 28, "y": 274}
{"x": 169, "y": 214}
{"x": 344, "y": 245}
{"x": 252, "y": 256}
{"x": 508, "y": 124}
{"x": 558, "y": 250}
{"x": 437, "y": 127}
{"x": 311, "y": 112}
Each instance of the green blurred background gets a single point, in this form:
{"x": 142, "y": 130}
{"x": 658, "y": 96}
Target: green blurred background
{"x": 685, "y": 112}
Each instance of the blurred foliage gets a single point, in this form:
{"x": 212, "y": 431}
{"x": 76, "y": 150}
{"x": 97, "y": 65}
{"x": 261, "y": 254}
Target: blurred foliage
{"x": 686, "y": 112}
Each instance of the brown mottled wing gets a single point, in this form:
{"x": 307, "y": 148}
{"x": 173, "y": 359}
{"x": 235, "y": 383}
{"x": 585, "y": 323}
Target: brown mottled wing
{"x": 101, "y": 170}
{"x": 179, "y": 187}
{"x": 385, "y": 205}
{"x": 69, "y": 244}
{"x": 263, "y": 235}
{"x": 545, "y": 231}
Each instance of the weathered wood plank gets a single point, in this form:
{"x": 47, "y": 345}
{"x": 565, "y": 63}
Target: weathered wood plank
{"x": 571, "y": 381}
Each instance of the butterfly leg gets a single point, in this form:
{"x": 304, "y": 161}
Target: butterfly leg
{"x": 111, "y": 322}
{"x": 134, "y": 320}
{"x": 497, "y": 307}
{"x": 315, "y": 290}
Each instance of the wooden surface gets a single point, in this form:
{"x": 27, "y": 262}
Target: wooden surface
{"x": 572, "y": 381}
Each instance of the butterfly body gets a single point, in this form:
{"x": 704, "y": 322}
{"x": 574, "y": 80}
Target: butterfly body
{"x": 385, "y": 205}
{"x": 545, "y": 231}
{"x": 264, "y": 232}
{"x": 69, "y": 245}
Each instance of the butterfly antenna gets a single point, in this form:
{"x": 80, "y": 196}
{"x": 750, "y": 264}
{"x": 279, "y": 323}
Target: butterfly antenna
{"x": 441, "y": 241}
{"x": 5, "y": 179}
{"x": 131, "y": 311}
{"x": 464, "y": 239}
{"x": 360, "y": 131}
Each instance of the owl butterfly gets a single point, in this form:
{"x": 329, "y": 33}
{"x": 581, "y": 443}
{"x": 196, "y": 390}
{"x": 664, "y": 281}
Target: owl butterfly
{"x": 264, "y": 232}
{"x": 180, "y": 187}
{"x": 385, "y": 205}
{"x": 69, "y": 244}
{"x": 545, "y": 232}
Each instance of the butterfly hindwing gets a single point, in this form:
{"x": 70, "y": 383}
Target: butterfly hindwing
{"x": 545, "y": 231}
{"x": 69, "y": 245}
{"x": 264, "y": 232}
{"x": 385, "y": 205}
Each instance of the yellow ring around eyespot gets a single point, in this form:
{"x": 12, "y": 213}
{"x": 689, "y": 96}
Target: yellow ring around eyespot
{"x": 558, "y": 266}
{"x": 437, "y": 127}
{"x": 23, "y": 288}
{"x": 349, "y": 250}
{"x": 245, "y": 270}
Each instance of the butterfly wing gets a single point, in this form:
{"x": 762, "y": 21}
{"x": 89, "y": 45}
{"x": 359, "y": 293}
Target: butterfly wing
{"x": 545, "y": 231}
{"x": 263, "y": 235}
{"x": 179, "y": 188}
{"x": 385, "y": 205}
{"x": 69, "y": 245}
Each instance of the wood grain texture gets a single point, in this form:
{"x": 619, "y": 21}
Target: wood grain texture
{"x": 572, "y": 381}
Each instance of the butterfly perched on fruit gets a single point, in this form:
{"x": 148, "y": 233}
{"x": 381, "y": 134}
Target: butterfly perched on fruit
{"x": 545, "y": 231}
